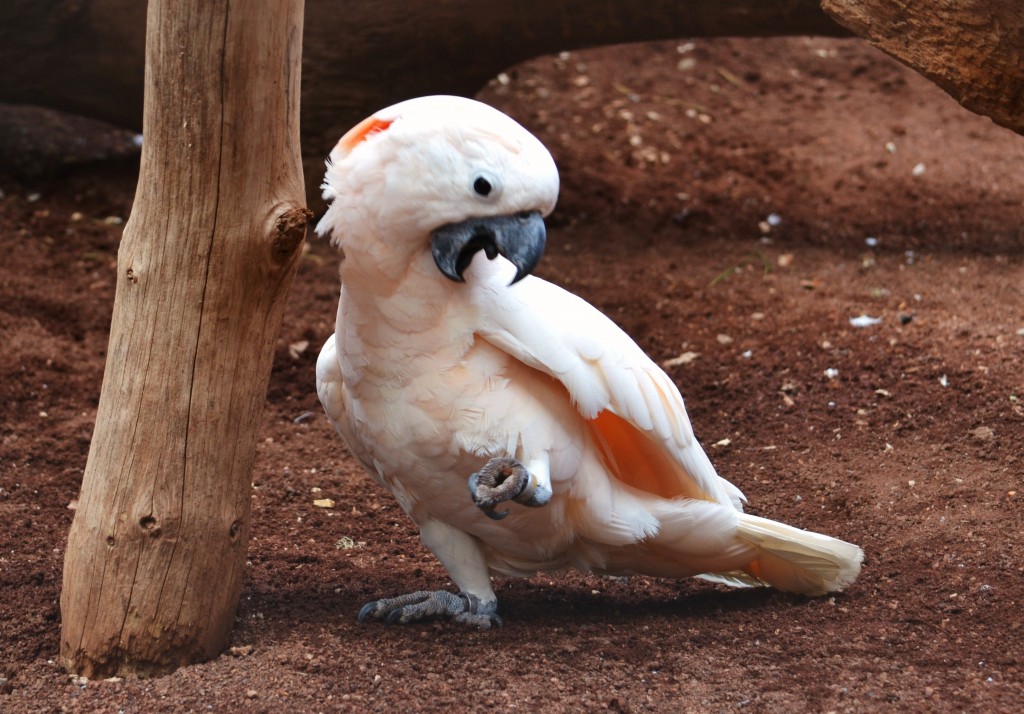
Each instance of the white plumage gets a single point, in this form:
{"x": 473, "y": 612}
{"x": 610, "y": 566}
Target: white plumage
{"x": 427, "y": 379}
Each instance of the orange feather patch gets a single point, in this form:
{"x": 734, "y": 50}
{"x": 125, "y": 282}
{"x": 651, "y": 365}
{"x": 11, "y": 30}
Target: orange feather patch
{"x": 361, "y": 131}
{"x": 636, "y": 459}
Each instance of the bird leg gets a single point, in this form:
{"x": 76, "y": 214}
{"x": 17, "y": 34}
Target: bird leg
{"x": 460, "y": 607}
{"x": 462, "y": 555}
{"x": 506, "y": 479}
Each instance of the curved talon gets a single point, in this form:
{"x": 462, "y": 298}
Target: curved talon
{"x": 506, "y": 479}
{"x": 483, "y": 504}
{"x": 492, "y": 514}
{"x": 366, "y": 609}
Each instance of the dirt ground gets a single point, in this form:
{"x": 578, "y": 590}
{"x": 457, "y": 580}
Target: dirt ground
{"x": 738, "y": 200}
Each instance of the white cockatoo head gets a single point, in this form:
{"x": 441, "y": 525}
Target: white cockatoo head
{"x": 441, "y": 177}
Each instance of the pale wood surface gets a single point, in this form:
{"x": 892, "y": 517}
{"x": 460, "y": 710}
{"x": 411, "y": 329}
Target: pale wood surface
{"x": 156, "y": 552}
{"x": 973, "y": 49}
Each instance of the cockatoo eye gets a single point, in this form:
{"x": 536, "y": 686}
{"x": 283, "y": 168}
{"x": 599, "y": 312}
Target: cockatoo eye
{"x": 482, "y": 186}
{"x": 485, "y": 185}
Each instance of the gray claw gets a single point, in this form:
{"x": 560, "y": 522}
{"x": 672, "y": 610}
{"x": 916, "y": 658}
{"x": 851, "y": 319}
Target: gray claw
{"x": 428, "y": 604}
{"x": 492, "y": 514}
{"x": 488, "y": 509}
{"x": 367, "y": 610}
{"x": 505, "y": 479}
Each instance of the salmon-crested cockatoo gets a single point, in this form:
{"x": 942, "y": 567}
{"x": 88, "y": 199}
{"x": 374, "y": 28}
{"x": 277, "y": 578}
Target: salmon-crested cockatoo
{"x": 452, "y": 366}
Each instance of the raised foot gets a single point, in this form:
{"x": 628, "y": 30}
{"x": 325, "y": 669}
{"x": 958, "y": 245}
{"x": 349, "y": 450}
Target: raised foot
{"x": 505, "y": 479}
{"x": 433, "y": 604}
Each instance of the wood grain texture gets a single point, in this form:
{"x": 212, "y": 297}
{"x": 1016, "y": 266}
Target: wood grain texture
{"x": 973, "y": 49}
{"x": 156, "y": 552}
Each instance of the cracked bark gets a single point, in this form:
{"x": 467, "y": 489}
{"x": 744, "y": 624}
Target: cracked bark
{"x": 155, "y": 556}
{"x": 973, "y": 49}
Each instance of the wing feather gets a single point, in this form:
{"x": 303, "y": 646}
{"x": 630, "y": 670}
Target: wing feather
{"x": 650, "y": 444}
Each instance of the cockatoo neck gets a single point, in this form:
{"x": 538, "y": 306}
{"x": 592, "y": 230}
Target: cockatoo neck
{"x": 380, "y": 296}
{"x": 375, "y": 259}
{"x": 376, "y": 326}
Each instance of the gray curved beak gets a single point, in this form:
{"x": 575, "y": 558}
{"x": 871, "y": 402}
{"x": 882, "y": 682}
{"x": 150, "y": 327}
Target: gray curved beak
{"x": 519, "y": 237}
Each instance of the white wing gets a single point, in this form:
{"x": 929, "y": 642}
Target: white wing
{"x": 635, "y": 411}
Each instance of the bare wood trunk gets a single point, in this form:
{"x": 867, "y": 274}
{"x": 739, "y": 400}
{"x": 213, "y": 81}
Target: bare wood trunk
{"x": 973, "y": 49}
{"x": 363, "y": 54}
{"x": 155, "y": 556}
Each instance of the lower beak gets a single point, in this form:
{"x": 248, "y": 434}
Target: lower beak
{"x": 520, "y": 238}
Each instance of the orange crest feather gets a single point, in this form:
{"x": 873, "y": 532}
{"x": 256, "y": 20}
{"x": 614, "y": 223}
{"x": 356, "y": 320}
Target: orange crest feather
{"x": 362, "y": 131}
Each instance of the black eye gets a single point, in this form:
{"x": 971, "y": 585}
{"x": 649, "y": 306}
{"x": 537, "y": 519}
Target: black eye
{"x": 482, "y": 186}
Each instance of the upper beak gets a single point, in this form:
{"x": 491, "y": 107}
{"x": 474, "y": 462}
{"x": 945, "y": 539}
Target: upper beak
{"x": 519, "y": 237}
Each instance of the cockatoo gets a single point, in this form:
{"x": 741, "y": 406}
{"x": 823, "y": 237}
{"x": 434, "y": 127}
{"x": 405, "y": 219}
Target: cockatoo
{"x": 453, "y": 367}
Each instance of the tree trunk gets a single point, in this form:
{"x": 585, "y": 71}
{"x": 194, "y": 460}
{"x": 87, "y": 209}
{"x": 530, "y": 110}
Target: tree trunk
{"x": 363, "y": 54}
{"x": 973, "y": 49}
{"x": 156, "y": 553}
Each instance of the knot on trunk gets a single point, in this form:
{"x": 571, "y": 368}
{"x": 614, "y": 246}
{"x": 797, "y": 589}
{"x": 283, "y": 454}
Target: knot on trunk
{"x": 289, "y": 232}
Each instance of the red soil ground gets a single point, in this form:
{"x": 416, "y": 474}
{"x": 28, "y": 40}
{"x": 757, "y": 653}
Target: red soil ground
{"x": 674, "y": 156}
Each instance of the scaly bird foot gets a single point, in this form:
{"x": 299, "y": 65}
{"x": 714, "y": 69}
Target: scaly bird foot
{"x": 505, "y": 479}
{"x": 429, "y": 604}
